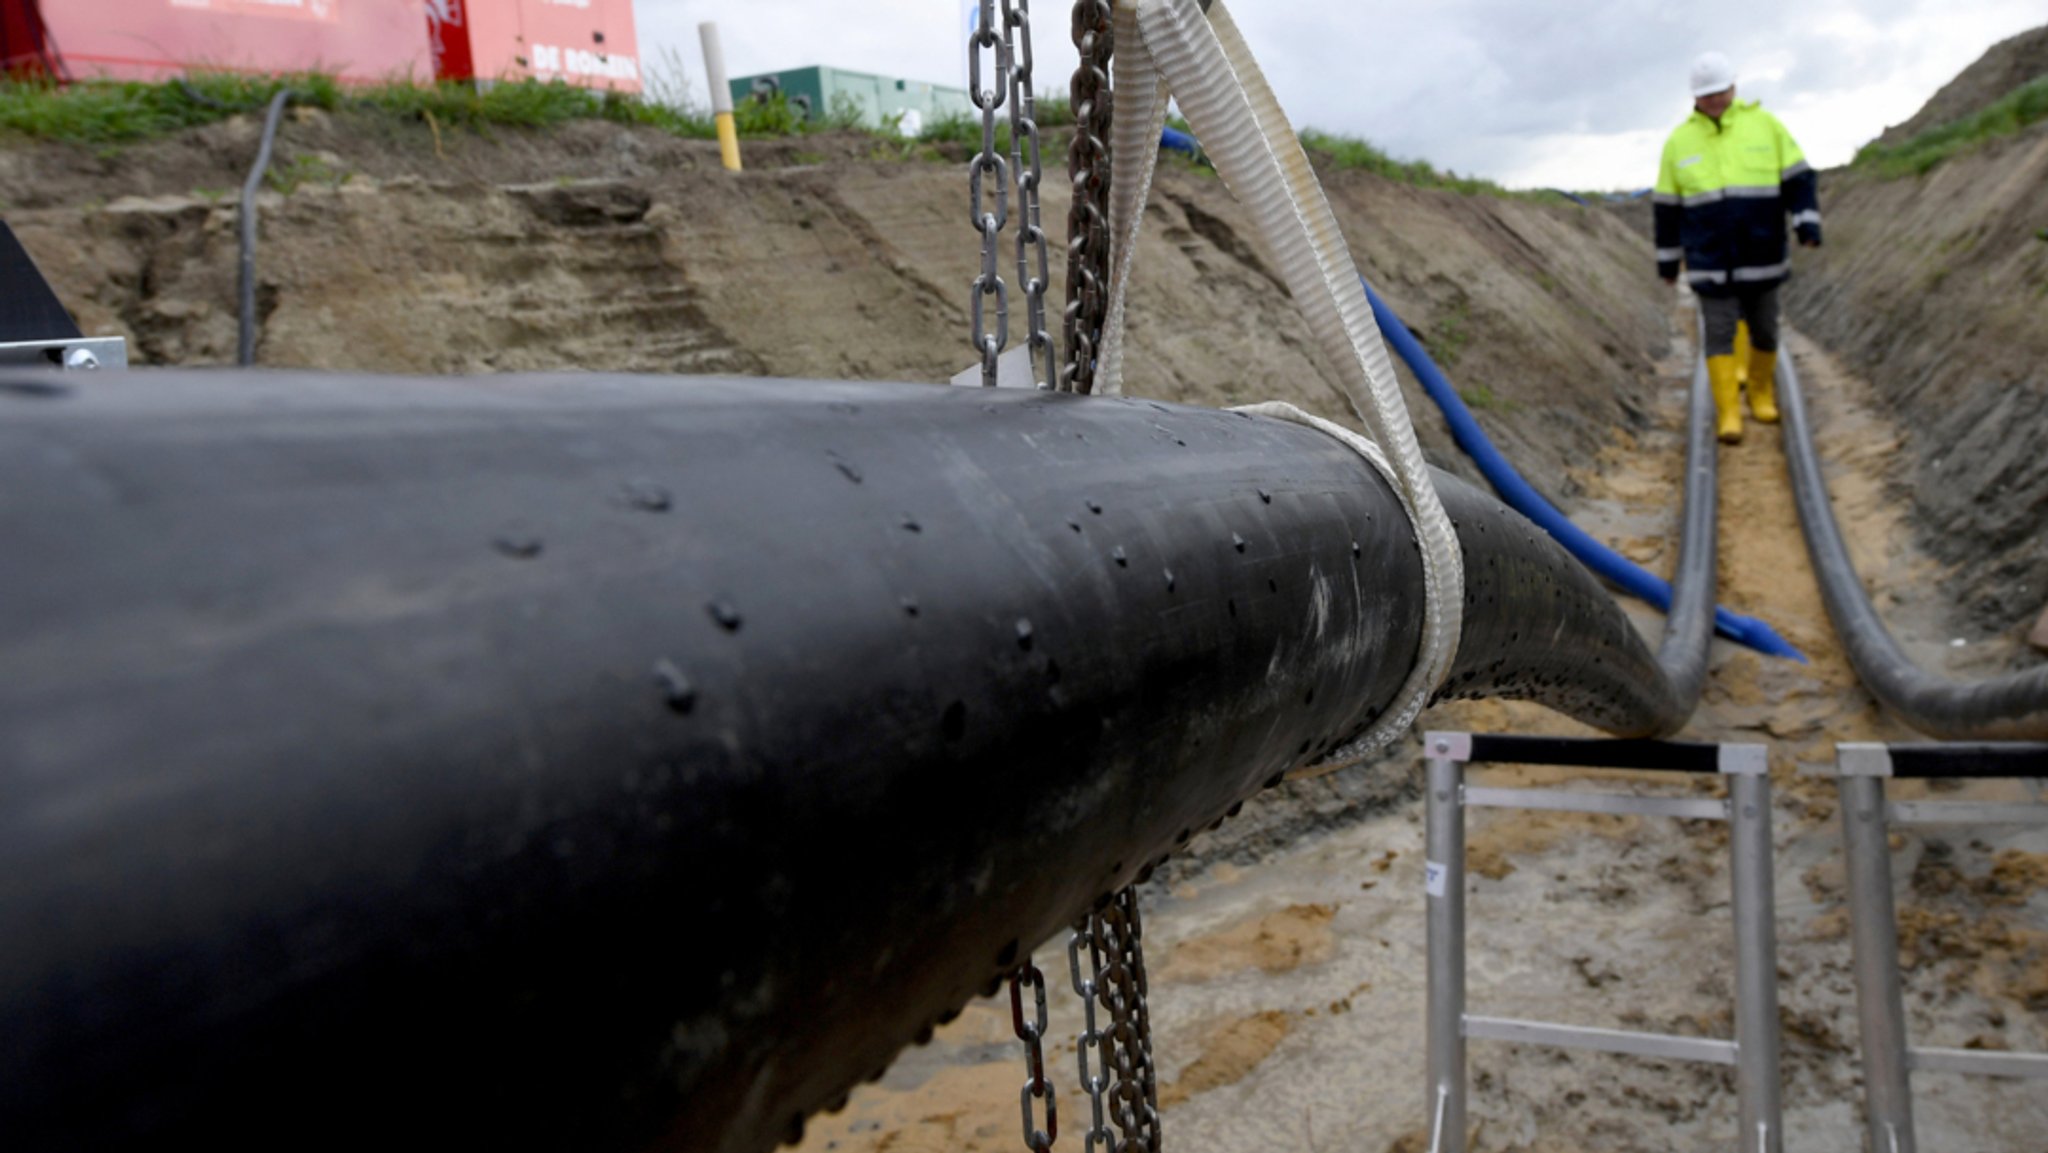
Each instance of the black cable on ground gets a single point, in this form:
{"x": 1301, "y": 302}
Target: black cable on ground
{"x": 1689, "y": 627}
{"x": 245, "y": 353}
{"x": 2009, "y": 707}
{"x": 194, "y": 95}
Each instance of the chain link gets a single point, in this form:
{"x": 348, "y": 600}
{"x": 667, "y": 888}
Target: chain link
{"x": 1092, "y": 1082}
{"x": 988, "y": 48}
{"x": 1088, "y": 220}
{"x": 1024, "y": 162}
{"x": 1125, "y": 1048}
{"x": 1032, "y": 1033}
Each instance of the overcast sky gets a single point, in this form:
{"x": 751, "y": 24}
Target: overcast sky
{"x": 1573, "y": 94}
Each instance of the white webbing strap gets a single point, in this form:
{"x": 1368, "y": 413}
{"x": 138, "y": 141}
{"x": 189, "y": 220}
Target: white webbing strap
{"x": 1171, "y": 45}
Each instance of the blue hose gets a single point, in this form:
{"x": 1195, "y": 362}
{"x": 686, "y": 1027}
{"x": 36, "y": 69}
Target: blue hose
{"x": 1624, "y": 573}
{"x": 1174, "y": 140}
{"x": 1629, "y": 576}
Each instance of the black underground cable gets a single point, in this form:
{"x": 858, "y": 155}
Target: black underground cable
{"x": 195, "y": 96}
{"x": 245, "y": 349}
{"x": 2009, "y": 707}
{"x": 1689, "y": 627}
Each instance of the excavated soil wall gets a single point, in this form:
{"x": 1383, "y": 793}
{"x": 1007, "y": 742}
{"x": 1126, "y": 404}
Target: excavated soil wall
{"x": 389, "y": 247}
{"x": 1935, "y": 288}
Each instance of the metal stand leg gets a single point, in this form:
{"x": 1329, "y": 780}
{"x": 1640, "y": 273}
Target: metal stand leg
{"x": 1887, "y": 1096}
{"x": 1756, "y": 965}
{"x": 1445, "y": 882}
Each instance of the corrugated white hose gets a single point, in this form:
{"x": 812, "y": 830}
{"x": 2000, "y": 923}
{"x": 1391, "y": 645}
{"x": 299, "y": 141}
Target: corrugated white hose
{"x": 1136, "y": 118}
{"x": 1204, "y": 62}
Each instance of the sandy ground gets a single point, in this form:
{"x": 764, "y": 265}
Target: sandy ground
{"x": 1288, "y": 996}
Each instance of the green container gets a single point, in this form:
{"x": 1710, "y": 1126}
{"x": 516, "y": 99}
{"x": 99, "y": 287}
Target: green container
{"x": 818, "y": 90}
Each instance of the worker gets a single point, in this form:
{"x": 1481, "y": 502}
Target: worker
{"x": 1729, "y": 177}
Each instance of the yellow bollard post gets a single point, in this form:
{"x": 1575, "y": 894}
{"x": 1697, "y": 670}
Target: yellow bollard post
{"x": 721, "y": 96}
{"x": 728, "y": 141}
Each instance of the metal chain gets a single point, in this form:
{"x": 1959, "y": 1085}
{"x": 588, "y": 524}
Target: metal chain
{"x": 1032, "y": 1033}
{"x": 1126, "y": 1048}
{"x": 1092, "y": 1082}
{"x": 989, "y": 40}
{"x": 1088, "y": 220}
{"x": 1024, "y": 162}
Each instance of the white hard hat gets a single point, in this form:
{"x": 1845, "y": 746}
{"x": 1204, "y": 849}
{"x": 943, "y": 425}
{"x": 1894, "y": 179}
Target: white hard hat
{"x": 1711, "y": 73}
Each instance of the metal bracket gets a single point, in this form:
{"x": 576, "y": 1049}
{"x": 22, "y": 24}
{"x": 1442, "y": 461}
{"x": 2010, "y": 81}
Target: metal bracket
{"x": 1745, "y": 760}
{"x": 85, "y": 352}
{"x": 1863, "y": 759}
{"x": 1453, "y": 747}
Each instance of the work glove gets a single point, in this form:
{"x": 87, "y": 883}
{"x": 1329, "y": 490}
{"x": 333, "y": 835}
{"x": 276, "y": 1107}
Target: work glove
{"x": 1809, "y": 234}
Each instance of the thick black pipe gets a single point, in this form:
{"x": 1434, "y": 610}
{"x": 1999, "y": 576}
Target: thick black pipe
{"x": 1970, "y": 761}
{"x": 2012, "y": 707}
{"x": 1580, "y": 752}
{"x": 611, "y": 762}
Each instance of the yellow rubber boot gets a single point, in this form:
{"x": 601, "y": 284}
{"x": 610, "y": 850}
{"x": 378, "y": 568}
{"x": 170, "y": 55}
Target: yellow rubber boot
{"x": 1727, "y": 397}
{"x": 1742, "y": 350}
{"x": 1763, "y": 386}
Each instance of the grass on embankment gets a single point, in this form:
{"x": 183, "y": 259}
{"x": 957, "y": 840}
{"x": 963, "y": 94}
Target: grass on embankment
{"x": 109, "y": 114}
{"x": 2012, "y": 112}
{"x": 1344, "y": 152}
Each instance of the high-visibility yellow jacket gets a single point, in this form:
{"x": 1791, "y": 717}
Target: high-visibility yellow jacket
{"x": 1723, "y": 193}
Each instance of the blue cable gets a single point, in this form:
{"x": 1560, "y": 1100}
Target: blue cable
{"x": 1174, "y": 140}
{"x": 1629, "y": 576}
{"x": 1632, "y": 578}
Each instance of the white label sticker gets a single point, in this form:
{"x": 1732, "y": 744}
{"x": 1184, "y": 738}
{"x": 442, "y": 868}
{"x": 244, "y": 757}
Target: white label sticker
{"x": 1433, "y": 877}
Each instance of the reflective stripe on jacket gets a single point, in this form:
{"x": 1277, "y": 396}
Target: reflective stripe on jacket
{"x": 1723, "y": 192}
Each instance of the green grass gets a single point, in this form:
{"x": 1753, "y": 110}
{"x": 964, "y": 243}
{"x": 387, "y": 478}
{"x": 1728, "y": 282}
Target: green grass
{"x": 1446, "y": 341}
{"x": 1345, "y": 152}
{"x": 112, "y": 114}
{"x": 305, "y": 168}
{"x": 527, "y": 104}
{"x": 1054, "y": 114}
{"x": 1480, "y": 398}
{"x": 2012, "y": 112}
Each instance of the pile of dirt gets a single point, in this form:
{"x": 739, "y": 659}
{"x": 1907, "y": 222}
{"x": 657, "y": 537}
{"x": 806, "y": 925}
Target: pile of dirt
{"x": 394, "y": 246}
{"x": 1935, "y": 288}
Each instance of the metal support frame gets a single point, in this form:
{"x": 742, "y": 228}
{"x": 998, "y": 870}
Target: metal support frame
{"x": 66, "y": 352}
{"x": 35, "y": 329}
{"x": 1753, "y": 1052}
{"x": 1888, "y": 1058}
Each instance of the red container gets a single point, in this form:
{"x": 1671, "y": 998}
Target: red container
{"x": 589, "y": 43}
{"x": 22, "y": 46}
{"x": 357, "y": 40}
